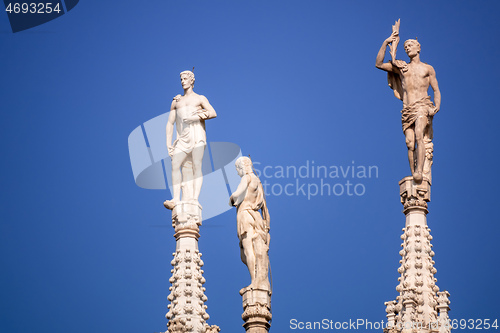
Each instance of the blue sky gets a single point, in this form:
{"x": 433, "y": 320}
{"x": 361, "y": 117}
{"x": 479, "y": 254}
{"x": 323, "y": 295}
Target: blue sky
{"x": 84, "y": 249}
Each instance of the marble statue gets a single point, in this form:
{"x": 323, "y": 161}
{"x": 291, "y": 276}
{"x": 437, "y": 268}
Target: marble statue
{"x": 410, "y": 82}
{"x": 188, "y": 112}
{"x": 253, "y": 228}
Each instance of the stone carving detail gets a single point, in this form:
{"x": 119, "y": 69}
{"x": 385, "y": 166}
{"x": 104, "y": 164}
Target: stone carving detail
{"x": 419, "y": 302}
{"x": 429, "y": 154}
{"x": 211, "y": 329}
{"x": 257, "y": 310}
{"x": 392, "y": 311}
{"x": 442, "y": 300}
{"x": 177, "y": 325}
{"x": 414, "y": 195}
{"x": 417, "y": 282}
{"x": 188, "y": 113}
{"x": 443, "y": 307}
{"x": 187, "y": 296}
{"x": 187, "y": 311}
{"x": 253, "y": 225}
{"x": 186, "y": 216}
{"x": 410, "y": 82}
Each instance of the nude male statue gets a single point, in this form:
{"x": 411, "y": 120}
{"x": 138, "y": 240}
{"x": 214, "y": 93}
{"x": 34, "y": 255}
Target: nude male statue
{"x": 188, "y": 112}
{"x": 411, "y": 83}
{"x": 253, "y": 228}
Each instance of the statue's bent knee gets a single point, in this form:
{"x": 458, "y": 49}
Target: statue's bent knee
{"x": 410, "y": 144}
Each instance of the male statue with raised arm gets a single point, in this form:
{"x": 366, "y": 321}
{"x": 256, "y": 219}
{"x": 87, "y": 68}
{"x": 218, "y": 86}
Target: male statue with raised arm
{"x": 188, "y": 112}
{"x": 410, "y": 82}
{"x": 253, "y": 228}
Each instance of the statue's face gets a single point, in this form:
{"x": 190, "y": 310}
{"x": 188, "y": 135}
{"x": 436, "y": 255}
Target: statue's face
{"x": 239, "y": 169}
{"x": 186, "y": 81}
{"x": 412, "y": 49}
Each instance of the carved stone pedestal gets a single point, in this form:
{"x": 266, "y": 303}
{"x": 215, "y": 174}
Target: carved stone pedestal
{"x": 257, "y": 310}
{"x": 187, "y": 312}
{"x": 419, "y": 302}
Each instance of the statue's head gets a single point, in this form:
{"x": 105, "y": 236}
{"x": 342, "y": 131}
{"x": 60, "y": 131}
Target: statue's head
{"x": 243, "y": 166}
{"x": 187, "y": 79}
{"x": 412, "y": 47}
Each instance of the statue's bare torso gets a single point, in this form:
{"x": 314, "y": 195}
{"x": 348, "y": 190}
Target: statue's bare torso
{"x": 416, "y": 81}
{"x": 190, "y": 133}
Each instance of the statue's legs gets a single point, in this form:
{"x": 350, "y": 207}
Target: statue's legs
{"x": 187, "y": 185}
{"x": 177, "y": 162}
{"x": 262, "y": 263}
{"x": 420, "y": 125}
{"x": 410, "y": 143}
{"x": 246, "y": 244}
{"x": 247, "y": 255}
{"x": 197, "y": 158}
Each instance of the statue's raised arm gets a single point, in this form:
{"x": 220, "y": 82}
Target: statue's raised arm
{"x": 392, "y": 41}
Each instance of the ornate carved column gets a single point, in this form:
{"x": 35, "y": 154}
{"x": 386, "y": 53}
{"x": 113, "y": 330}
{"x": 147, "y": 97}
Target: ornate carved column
{"x": 416, "y": 308}
{"x": 187, "y": 311}
{"x": 443, "y": 308}
{"x": 390, "y": 308}
{"x": 257, "y": 310}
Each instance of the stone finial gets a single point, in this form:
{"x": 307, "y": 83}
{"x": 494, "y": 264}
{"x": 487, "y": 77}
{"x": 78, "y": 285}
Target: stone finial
{"x": 409, "y": 316}
{"x": 390, "y": 307}
{"x": 391, "y": 310}
{"x": 187, "y": 310}
{"x": 211, "y": 329}
{"x": 443, "y": 307}
{"x": 443, "y": 301}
